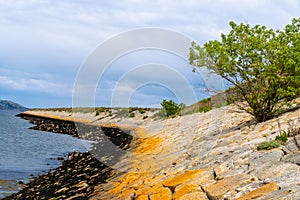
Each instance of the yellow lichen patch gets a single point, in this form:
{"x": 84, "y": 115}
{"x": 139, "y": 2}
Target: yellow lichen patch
{"x": 185, "y": 189}
{"x": 158, "y": 193}
{"x": 146, "y": 145}
{"x": 194, "y": 195}
{"x": 131, "y": 177}
{"x": 114, "y": 125}
{"x": 144, "y": 142}
{"x": 260, "y": 191}
{"x": 173, "y": 182}
{"x": 142, "y": 197}
{"x": 130, "y": 181}
{"x": 117, "y": 188}
{"x": 140, "y": 132}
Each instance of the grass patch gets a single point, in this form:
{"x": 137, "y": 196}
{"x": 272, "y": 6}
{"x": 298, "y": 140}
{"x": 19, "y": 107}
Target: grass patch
{"x": 268, "y": 145}
{"x": 280, "y": 139}
{"x": 283, "y": 137}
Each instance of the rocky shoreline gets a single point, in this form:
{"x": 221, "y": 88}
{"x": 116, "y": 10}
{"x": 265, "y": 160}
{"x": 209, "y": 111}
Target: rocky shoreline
{"x": 78, "y": 175}
{"x": 209, "y": 156}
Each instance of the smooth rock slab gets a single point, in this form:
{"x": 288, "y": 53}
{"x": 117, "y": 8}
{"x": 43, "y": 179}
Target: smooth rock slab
{"x": 263, "y": 190}
{"x": 219, "y": 189}
{"x": 293, "y": 158}
{"x": 292, "y": 145}
{"x": 288, "y": 179}
{"x": 265, "y": 158}
{"x": 274, "y": 171}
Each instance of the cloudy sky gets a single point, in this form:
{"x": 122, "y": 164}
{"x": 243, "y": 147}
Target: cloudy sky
{"x": 44, "y": 44}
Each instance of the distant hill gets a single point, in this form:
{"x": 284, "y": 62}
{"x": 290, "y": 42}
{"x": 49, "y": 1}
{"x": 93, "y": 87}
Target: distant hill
{"x": 9, "y": 105}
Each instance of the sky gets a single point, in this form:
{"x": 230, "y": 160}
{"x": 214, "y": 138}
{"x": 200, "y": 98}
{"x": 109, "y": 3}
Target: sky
{"x": 46, "y": 43}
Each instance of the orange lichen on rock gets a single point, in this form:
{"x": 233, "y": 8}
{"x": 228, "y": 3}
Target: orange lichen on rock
{"x": 114, "y": 125}
{"x": 263, "y": 190}
{"x": 194, "y": 195}
{"x": 172, "y": 183}
{"x": 159, "y": 192}
{"x": 129, "y": 179}
{"x": 185, "y": 189}
{"x": 145, "y": 144}
{"x": 142, "y": 197}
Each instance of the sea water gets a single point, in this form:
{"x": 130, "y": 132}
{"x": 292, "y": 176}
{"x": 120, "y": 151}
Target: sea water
{"x": 25, "y": 153}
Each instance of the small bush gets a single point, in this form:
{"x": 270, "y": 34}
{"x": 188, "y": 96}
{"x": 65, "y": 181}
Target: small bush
{"x": 170, "y": 107}
{"x": 132, "y": 115}
{"x": 268, "y": 145}
{"x": 205, "y": 105}
{"x": 142, "y": 111}
{"x": 204, "y": 109}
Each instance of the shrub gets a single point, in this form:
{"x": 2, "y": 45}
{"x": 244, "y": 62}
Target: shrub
{"x": 170, "y": 108}
{"x": 205, "y": 105}
{"x": 205, "y": 109}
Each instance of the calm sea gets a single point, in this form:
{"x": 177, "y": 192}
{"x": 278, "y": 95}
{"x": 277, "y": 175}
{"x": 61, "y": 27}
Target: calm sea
{"x": 25, "y": 152}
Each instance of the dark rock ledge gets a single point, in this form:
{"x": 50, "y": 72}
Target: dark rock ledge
{"x": 78, "y": 175}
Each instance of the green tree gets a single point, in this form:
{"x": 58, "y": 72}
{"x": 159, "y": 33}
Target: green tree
{"x": 261, "y": 65}
{"x": 170, "y": 107}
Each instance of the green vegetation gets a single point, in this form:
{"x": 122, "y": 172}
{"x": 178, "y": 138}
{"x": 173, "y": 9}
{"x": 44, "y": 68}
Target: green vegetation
{"x": 261, "y": 65}
{"x": 170, "y": 108}
{"x": 102, "y": 109}
{"x": 205, "y": 105}
{"x": 268, "y": 145}
{"x": 280, "y": 139}
{"x": 141, "y": 110}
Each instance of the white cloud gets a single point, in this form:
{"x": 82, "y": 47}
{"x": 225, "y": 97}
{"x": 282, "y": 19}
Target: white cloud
{"x": 22, "y": 81}
{"x": 53, "y": 37}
